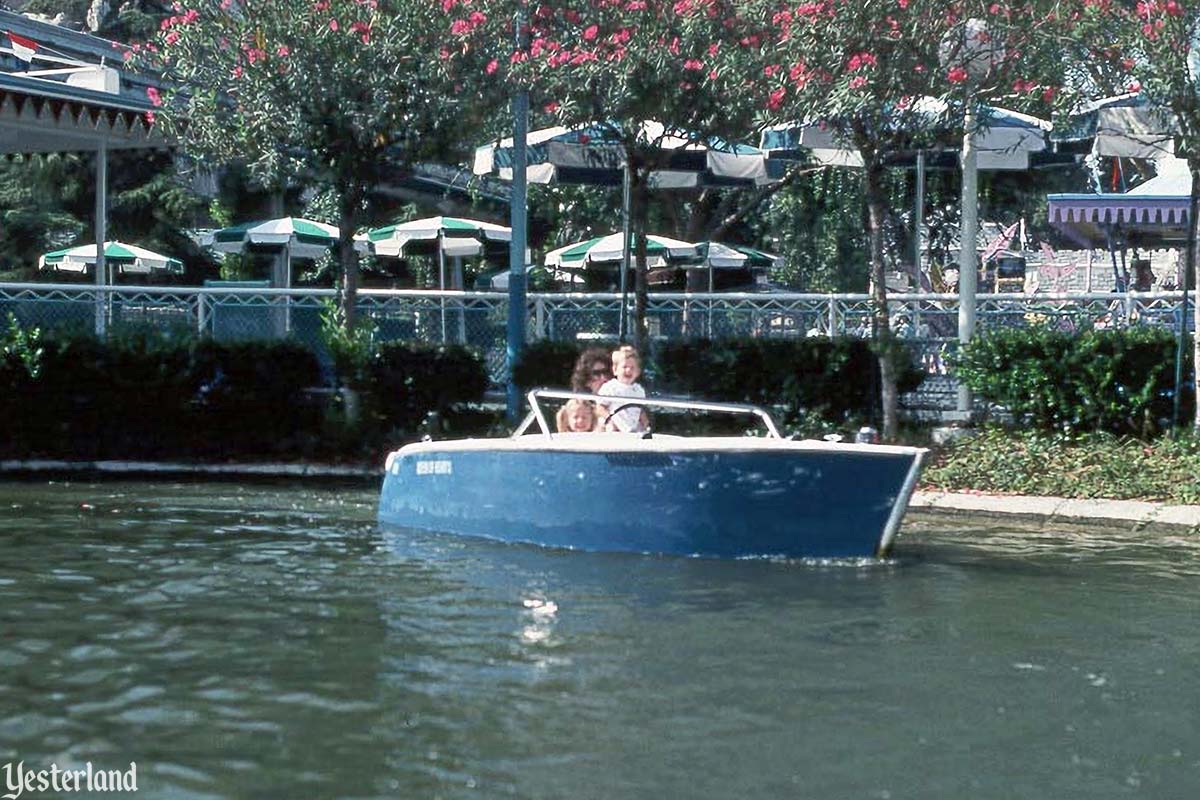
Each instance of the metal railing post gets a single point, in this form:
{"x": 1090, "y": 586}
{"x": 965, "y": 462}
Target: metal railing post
{"x": 201, "y": 314}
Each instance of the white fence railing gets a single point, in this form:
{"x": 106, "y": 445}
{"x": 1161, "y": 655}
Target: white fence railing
{"x": 929, "y": 322}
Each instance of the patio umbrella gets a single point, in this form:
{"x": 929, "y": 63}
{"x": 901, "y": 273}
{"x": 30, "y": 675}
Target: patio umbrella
{"x": 292, "y": 237}
{"x": 127, "y": 258}
{"x": 1006, "y": 139}
{"x": 451, "y": 236}
{"x": 718, "y": 255}
{"x": 609, "y": 250}
{"x": 593, "y": 154}
{"x": 1123, "y": 126}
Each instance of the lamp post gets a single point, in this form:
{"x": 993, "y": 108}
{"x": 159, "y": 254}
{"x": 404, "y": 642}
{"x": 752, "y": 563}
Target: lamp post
{"x": 971, "y": 49}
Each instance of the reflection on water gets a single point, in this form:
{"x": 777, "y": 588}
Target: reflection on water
{"x": 271, "y": 641}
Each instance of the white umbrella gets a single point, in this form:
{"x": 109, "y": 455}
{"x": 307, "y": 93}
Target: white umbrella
{"x": 453, "y": 236}
{"x": 593, "y": 155}
{"x": 1124, "y": 126}
{"x": 1005, "y": 140}
{"x": 303, "y": 238}
{"x": 291, "y": 237}
{"x": 610, "y": 249}
{"x": 127, "y": 258}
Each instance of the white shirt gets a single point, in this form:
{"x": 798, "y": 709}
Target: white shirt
{"x": 627, "y": 419}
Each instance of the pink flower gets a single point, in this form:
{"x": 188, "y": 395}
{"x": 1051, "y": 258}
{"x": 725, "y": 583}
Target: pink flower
{"x": 154, "y": 96}
{"x": 550, "y": 107}
{"x": 492, "y": 66}
{"x": 956, "y": 75}
{"x": 333, "y": 25}
{"x": 693, "y": 64}
{"x": 590, "y": 32}
{"x": 776, "y": 99}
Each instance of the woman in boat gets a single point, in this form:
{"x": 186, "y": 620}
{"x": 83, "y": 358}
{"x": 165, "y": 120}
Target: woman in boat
{"x": 592, "y": 369}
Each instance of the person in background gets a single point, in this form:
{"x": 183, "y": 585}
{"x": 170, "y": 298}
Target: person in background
{"x": 592, "y": 369}
{"x": 627, "y": 368}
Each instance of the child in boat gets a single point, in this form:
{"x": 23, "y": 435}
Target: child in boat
{"x": 577, "y": 416}
{"x": 627, "y": 368}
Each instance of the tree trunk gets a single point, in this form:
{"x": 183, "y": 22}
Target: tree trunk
{"x": 348, "y": 214}
{"x": 881, "y": 328}
{"x": 1189, "y": 274}
{"x": 641, "y": 284}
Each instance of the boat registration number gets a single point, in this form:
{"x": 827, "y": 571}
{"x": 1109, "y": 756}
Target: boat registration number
{"x": 442, "y": 467}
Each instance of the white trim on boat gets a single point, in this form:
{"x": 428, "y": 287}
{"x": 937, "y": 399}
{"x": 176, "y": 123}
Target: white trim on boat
{"x": 900, "y": 506}
{"x": 638, "y": 443}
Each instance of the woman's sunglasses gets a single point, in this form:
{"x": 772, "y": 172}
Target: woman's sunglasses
{"x": 600, "y": 373}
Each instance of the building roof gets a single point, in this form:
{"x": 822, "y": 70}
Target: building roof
{"x": 99, "y": 103}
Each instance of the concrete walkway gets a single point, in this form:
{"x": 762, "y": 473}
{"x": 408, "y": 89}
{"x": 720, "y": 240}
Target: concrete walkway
{"x": 1127, "y": 514}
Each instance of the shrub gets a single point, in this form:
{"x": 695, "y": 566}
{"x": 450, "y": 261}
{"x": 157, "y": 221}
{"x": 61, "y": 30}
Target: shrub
{"x": 145, "y": 394}
{"x": 549, "y": 363}
{"x": 1069, "y": 465}
{"x": 404, "y": 383}
{"x": 835, "y": 378}
{"x": 250, "y": 396}
{"x": 1120, "y": 381}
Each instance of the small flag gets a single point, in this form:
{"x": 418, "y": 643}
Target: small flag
{"x": 22, "y": 48}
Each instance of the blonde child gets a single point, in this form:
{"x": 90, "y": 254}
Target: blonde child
{"x": 627, "y": 368}
{"x": 577, "y": 416}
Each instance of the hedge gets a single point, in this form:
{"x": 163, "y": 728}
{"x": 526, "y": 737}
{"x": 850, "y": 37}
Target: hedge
{"x": 1119, "y": 381}
{"x": 150, "y": 395}
{"x": 403, "y": 384}
{"x": 836, "y": 379}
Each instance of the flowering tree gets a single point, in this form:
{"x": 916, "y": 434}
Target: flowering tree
{"x": 619, "y": 64}
{"x": 1153, "y": 46}
{"x": 338, "y": 94}
{"x": 860, "y": 71}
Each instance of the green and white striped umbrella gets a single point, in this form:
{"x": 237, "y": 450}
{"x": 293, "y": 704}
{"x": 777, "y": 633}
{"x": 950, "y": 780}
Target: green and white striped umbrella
{"x": 455, "y": 236}
{"x": 303, "y": 238}
{"x": 126, "y": 258}
{"x": 720, "y": 255}
{"x": 609, "y": 250}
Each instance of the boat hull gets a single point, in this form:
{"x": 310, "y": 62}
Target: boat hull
{"x": 719, "y": 502}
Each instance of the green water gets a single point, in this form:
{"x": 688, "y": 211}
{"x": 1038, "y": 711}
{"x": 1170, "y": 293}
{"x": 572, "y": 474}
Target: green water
{"x": 265, "y": 641}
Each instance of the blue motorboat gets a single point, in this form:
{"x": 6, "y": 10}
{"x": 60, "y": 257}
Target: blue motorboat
{"x": 711, "y": 496}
